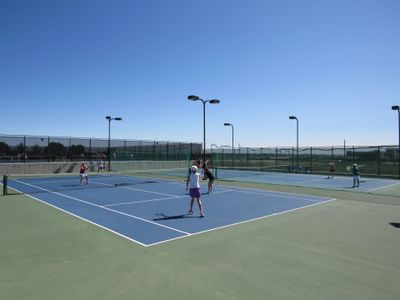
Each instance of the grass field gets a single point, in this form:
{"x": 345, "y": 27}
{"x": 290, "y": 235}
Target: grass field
{"x": 344, "y": 249}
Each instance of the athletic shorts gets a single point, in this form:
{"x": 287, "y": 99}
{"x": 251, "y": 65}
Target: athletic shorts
{"x": 194, "y": 193}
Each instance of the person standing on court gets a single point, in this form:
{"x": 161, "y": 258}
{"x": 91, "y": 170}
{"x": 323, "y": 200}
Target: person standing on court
{"x": 193, "y": 183}
{"x": 356, "y": 176}
{"x": 332, "y": 169}
{"x": 83, "y": 173}
{"x": 211, "y": 178}
{"x": 197, "y": 163}
{"x": 100, "y": 166}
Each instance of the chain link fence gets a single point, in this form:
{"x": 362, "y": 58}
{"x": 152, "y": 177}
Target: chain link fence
{"x": 373, "y": 160}
{"x": 68, "y": 149}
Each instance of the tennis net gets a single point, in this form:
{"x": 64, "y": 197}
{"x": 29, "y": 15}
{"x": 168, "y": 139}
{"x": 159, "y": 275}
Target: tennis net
{"x": 42, "y": 183}
{"x": 234, "y": 173}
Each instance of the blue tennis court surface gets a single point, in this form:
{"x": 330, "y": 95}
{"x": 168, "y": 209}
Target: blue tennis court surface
{"x": 307, "y": 180}
{"x": 152, "y": 211}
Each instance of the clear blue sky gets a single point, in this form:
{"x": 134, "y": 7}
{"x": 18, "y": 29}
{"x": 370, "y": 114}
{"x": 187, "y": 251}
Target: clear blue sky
{"x": 66, "y": 64}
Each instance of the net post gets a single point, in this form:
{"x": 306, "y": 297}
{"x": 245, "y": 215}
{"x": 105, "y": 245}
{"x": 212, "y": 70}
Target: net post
{"x": 5, "y": 185}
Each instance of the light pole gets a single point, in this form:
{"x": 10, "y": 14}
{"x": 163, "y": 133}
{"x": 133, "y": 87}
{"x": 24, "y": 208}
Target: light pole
{"x": 397, "y": 107}
{"x": 233, "y": 142}
{"x": 109, "y": 133}
{"x": 297, "y": 140}
{"x": 211, "y": 101}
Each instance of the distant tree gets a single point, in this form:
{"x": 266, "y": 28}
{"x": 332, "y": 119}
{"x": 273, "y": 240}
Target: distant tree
{"x": 4, "y": 148}
{"x": 76, "y": 150}
{"x": 36, "y": 149}
{"x": 21, "y": 148}
{"x": 56, "y": 150}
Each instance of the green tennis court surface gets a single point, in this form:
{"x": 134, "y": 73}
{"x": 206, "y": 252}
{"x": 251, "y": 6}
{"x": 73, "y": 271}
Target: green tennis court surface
{"x": 344, "y": 249}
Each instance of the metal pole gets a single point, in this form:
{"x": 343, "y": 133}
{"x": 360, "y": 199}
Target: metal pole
{"x": 212, "y": 101}
{"x": 297, "y": 145}
{"x": 90, "y": 150}
{"x": 24, "y": 148}
{"x": 379, "y": 161}
{"x": 109, "y": 146}
{"x": 5, "y": 182}
{"x": 398, "y": 156}
{"x": 204, "y": 132}
{"x": 397, "y": 107}
{"x": 297, "y": 140}
{"x": 233, "y": 146}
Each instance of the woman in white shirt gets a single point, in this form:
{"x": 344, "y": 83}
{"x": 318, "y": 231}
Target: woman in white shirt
{"x": 193, "y": 183}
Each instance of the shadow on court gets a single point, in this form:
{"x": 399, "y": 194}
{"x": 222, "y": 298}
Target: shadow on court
{"x": 396, "y": 225}
{"x": 162, "y": 217}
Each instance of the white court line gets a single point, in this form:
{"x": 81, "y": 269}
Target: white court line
{"x": 241, "y": 222}
{"x": 144, "y": 201}
{"x": 280, "y": 196}
{"x": 265, "y": 192}
{"x": 82, "y": 218}
{"x": 133, "y": 189}
{"x": 157, "y": 199}
{"x": 383, "y": 187}
{"x": 106, "y": 208}
{"x": 312, "y": 180}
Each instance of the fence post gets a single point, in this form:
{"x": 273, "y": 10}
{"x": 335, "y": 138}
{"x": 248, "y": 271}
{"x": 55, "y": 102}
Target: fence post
{"x": 69, "y": 150}
{"x": 292, "y": 157}
{"x": 379, "y": 161}
{"x": 48, "y": 150}
{"x": 90, "y": 150}
{"x": 311, "y": 159}
{"x": 24, "y": 149}
{"x": 398, "y": 159}
{"x": 167, "y": 156}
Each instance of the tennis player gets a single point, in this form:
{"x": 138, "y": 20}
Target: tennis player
{"x": 83, "y": 173}
{"x": 197, "y": 163}
{"x": 193, "y": 183}
{"x": 100, "y": 167}
{"x": 211, "y": 178}
{"x": 356, "y": 176}
{"x": 332, "y": 169}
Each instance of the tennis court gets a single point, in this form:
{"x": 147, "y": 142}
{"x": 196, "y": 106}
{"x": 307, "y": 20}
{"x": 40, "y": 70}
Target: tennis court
{"x": 367, "y": 184}
{"x": 124, "y": 237}
{"x": 152, "y": 211}
{"x": 308, "y": 180}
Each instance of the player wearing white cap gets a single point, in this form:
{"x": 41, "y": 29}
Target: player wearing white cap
{"x": 193, "y": 183}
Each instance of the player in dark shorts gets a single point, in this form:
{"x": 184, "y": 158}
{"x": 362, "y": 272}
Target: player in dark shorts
{"x": 211, "y": 178}
{"x": 332, "y": 169}
{"x": 356, "y": 176}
